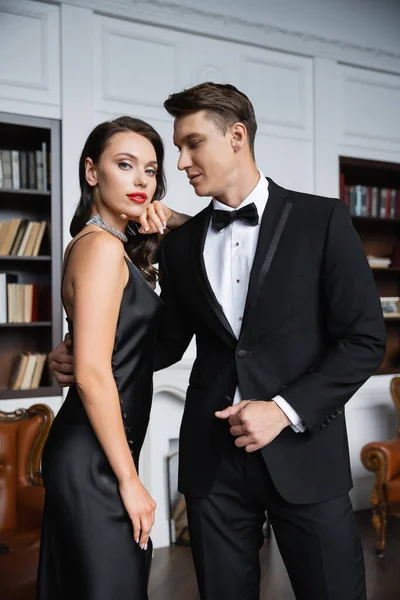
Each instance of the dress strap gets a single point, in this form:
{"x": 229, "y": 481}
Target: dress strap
{"x": 66, "y": 264}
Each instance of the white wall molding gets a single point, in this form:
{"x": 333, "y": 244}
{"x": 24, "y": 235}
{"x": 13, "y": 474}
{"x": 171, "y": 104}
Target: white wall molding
{"x": 224, "y": 26}
{"x": 287, "y": 108}
{"x": 161, "y": 52}
{"x": 369, "y": 104}
{"x": 30, "y": 58}
{"x": 30, "y": 82}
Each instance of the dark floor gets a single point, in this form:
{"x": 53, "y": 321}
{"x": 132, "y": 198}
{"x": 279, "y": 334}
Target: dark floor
{"x": 173, "y": 578}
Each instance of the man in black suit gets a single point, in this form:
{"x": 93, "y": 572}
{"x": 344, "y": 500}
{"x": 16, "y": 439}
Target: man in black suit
{"x": 276, "y": 288}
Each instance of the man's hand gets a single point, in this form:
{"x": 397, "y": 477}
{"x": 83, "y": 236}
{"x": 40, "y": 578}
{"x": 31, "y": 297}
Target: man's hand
{"x": 254, "y": 423}
{"x": 61, "y": 363}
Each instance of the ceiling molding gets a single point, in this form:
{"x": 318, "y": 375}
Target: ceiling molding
{"x": 223, "y": 26}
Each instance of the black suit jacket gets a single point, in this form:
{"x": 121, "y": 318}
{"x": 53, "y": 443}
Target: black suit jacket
{"x": 313, "y": 332}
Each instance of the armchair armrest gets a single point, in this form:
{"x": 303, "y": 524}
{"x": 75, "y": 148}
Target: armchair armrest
{"x": 30, "y": 506}
{"x": 383, "y": 458}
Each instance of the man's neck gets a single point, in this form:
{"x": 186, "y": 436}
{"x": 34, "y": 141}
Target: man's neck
{"x": 242, "y": 184}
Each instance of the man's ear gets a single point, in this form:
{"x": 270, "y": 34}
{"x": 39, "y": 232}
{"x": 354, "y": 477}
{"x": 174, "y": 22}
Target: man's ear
{"x": 90, "y": 172}
{"x": 239, "y": 136}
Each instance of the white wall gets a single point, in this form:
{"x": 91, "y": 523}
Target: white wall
{"x": 369, "y": 23}
{"x": 324, "y": 77}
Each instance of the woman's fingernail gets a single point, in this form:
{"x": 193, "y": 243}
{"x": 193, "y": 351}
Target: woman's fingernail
{"x": 161, "y": 230}
{"x": 137, "y": 540}
{"x": 145, "y": 546}
{"x": 164, "y": 223}
{"x": 146, "y": 228}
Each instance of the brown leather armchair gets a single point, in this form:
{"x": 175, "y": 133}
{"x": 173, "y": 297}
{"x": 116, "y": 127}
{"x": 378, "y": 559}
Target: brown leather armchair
{"x": 22, "y": 437}
{"x": 383, "y": 458}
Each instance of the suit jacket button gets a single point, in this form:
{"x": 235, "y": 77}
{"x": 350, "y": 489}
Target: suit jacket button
{"x": 241, "y": 353}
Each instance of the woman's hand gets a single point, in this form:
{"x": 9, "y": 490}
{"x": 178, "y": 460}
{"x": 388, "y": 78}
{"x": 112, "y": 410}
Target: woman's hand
{"x": 155, "y": 218}
{"x": 140, "y": 507}
{"x": 158, "y": 217}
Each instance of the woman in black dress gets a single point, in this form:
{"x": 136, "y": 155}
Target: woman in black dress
{"x": 98, "y": 515}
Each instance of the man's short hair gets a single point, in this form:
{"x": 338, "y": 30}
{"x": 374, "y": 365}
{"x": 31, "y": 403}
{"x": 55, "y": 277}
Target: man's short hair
{"x": 223, "y": 103}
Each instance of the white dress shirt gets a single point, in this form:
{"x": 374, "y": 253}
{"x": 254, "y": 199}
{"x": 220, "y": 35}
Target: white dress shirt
{"x": 228, "y": 257}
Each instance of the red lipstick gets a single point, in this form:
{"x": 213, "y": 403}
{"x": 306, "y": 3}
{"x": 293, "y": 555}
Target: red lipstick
{"x": 138, "y": 197}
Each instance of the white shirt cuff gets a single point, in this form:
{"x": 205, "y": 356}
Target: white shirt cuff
{"x": 296, "y": 423}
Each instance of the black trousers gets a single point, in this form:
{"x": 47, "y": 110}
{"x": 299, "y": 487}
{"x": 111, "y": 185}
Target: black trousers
{"x": 319, "y": 543}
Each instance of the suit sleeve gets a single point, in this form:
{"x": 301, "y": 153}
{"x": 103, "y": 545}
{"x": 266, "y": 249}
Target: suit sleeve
{"x": 175, "y": 330}
{"x": 354, "y": 324}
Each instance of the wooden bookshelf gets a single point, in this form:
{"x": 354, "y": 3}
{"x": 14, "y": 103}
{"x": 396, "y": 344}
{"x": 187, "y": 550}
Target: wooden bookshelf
{"x": 33, "y": 324}
{"x": 29, "y": 134}
{"x": 380, "y": 237}
{"x": 25, "y": 192}
{"x": 44, "y": 258}
{"x": 44, "y": 391}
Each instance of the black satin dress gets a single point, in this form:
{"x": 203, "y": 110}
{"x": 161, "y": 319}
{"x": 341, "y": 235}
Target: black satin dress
{"x": 87, "y": 547}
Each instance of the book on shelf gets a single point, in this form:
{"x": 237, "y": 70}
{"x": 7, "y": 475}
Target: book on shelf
{"x": 19, "y": 294}
{"x": 39, "y": 170}
{"x": 32, "y": 172}
{"x": 371, "y": 201}
{"x": 5, "y": 280}
{"x": 38, "y": 372}
{"x": 23, "y": 303}
{"x": 24, "y": 241}
{"x": 32, "y": 239}
{"x": 5, "y": 156}
{"x": 25, "y": 169}
{"x": 3, "y": 231}
{"x": 45, "y": 166}
{"x": 28, "y": 370}
{"x": 12, "y": 303}
{"x": 18, "y": 238}
{"x": 39, "y": 238}
{"x": 35, "y": 303}
{"x": 15, "y": 169}
{"x": 18, "y": 371}
{"x": 21, "y": 237}
{"x": 8, "y": 238}
{"x": 378, "y": 262}
{"x": 390, "y": 307}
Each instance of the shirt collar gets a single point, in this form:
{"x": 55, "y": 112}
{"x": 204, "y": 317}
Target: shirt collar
{"x": 259, "y": 195}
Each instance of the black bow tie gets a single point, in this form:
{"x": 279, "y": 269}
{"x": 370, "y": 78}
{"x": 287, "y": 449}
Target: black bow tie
{"x": 222, "y": 218}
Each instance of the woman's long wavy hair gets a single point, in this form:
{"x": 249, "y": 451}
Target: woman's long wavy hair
{"x": 140, "y": 248}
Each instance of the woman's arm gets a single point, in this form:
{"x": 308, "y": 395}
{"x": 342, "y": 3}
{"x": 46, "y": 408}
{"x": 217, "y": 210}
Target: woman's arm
{"x": 98, "y": 276}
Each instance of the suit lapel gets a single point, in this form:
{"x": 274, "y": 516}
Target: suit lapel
{"x": 199, "y": 239}
{"x": 272, "y": 224}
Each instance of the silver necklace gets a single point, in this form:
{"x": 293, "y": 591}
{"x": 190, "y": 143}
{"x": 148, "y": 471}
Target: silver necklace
{"x": 97, "y": 220}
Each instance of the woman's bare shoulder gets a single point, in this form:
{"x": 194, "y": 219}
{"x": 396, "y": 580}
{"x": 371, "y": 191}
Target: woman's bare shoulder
{"x": 99, "y": 244}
